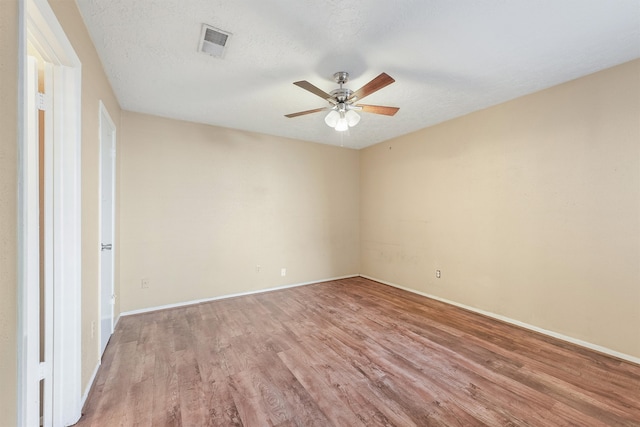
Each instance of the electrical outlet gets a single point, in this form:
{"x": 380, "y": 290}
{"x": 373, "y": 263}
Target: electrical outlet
{"x": 144, "y": 283}
{"x": 283, "y": 272}
{"x": 438, "y": 274}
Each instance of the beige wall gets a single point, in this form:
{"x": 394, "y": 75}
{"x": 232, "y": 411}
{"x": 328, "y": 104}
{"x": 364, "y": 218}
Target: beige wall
{"x": 95, "y": 87}
{"x": 202, "y": 206}
{"x": 8, "y": 208}
{"x": 531, "y": 209}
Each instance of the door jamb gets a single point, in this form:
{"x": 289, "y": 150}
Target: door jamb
{"x": 39, "y": 25}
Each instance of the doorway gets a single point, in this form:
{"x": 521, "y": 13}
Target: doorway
{"x": 49, "y": 194}
{"x": 107, "y": 224}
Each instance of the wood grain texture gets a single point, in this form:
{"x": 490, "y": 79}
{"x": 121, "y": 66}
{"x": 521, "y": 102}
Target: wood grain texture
{"x": 350, "y": 352}
{"x": 378, "y": 109}
{"x": 382, "y": 80}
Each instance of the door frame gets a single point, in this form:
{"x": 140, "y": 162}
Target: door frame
{"x": 39, "y": 25}
{"x": 106, "y": 121}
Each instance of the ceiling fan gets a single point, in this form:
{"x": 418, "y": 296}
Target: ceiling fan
{"x": 342, "y": 111}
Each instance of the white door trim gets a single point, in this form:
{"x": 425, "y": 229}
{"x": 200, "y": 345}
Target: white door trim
{"x": 29, "y": 278}
{"x": 67, "y": 348}
{"x": 105, "y": 121}
{"x": 49, "y": 250}
{"x": 39, "y": 25}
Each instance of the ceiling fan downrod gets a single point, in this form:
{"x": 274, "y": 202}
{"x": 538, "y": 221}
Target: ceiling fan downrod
{"x": 341, "y": 94}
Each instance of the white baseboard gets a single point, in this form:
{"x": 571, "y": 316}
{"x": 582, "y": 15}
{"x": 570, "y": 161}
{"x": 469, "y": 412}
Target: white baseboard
{"x": 553, "y": 334}
{"x": 85, "y": 395}
{"x": 260, "y": 291}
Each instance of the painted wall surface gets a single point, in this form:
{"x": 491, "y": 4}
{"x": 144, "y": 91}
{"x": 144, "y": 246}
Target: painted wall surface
{"x": 531, "y": 209}
{"x": 95, "y": 87}
{"x": 202, "y": 207}
{"x": 8, "y": 209}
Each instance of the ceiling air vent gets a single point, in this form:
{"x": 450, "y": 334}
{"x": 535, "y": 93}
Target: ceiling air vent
{"x": 213, "y": 41}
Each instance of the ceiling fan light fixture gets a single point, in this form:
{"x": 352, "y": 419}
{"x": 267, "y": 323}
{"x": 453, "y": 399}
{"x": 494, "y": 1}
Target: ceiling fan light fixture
{"x": 352, "y": 118}
{"x": 343, "y": 124}
{"x": 332, "y": 118}
{"x": 341, "y": 120}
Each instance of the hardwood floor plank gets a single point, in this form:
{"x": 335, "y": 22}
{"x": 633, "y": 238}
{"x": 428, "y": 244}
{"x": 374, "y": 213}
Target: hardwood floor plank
{"x": 332, "y": 374}
{"x": 109, "y": 406}
{"x": 190, "y": 389}
{"x": 218, "y": 403}
{"x": 322, "y": 393}
{"x": 347, "y": 353}
{"x": 166, "y": 402}
{"x": 140, "y": 394}
{"x": 303, "y": 408}
{"x": 266, "y": 403}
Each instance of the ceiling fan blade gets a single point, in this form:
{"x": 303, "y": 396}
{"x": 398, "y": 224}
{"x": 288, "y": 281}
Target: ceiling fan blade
{"x": 378, "y": 109}
{"x": 314, "y": 90}
{"x": 302, "y": 113}
{"x": 374, "y": 85}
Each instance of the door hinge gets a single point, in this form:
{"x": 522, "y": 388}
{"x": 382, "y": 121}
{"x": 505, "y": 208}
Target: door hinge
{"x": 41, "y": 100}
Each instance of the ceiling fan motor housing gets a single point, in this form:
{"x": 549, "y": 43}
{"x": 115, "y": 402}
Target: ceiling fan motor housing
{"x": 342, "y": 94}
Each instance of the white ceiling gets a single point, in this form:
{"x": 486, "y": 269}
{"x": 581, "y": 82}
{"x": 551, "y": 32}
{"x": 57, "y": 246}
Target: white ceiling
{"x": 448, "y": 58}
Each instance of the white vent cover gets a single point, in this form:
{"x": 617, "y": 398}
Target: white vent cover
{"x": 213, "y": 41}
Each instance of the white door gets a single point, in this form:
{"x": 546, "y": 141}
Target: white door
{"x": 107, "y": 224}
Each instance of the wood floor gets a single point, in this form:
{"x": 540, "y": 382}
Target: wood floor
{"x": 350, "y": 353}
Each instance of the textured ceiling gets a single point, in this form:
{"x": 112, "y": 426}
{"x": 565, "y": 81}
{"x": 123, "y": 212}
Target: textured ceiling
{"x": 448, "y": 58}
